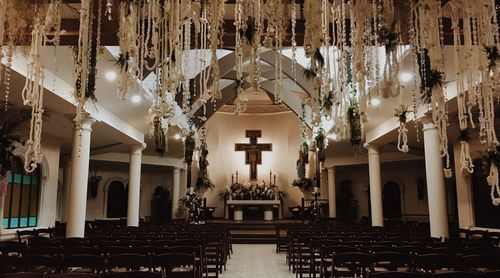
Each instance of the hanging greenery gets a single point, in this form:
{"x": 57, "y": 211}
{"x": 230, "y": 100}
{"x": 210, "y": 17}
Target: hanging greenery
{"x": 159, "y": 137}
{"x": 464, "y": 135}
{"x": 203, "y": 182}
{"x": 248, "y": 31}
{"x": 402, "y": 114}
{"x": 492, "y": 55}
{"x": 388, "y": 37}
{"x": 320, "y": 144}
{"x": 354, "y": 120}
{"x": 327, "y": 102}
{"x": 317, "y": 62}
{"x": 189, "y": 146}
{"x": 433, "y": 78}
{"x": 92, "y": 72}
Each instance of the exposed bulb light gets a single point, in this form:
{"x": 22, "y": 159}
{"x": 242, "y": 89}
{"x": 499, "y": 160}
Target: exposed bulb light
{"x": 375, "y": 102}
{"x": 405, "y": 77}
{"x": 177, "y": 136}
{"x": 136, "y": 98}
{"x": 110, "y": 75}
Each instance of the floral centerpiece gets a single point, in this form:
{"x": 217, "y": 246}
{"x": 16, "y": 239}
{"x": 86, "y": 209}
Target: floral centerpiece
{"x": 190, "y": 207}
{"x": 239, "y": 191}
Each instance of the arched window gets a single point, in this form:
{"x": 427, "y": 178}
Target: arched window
{"x": 117, "y": 200}
{"x": 22, "y": 196}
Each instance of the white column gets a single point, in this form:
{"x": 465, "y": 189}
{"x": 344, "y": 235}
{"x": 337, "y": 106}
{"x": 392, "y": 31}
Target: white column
{"x": 77, "y": 202}
{"x": 175, "y": 191}
{"x": 436, "y": 193}
{"x": 332, "y": 202}
{"x": 65, "y": 191}
{"x": 134, "y": 185}
{"x": 464, "y": 194}
{"x": 375, "y": 185}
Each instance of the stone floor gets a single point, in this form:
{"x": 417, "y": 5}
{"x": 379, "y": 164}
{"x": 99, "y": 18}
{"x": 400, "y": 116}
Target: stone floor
{"x": 256, "y": 261}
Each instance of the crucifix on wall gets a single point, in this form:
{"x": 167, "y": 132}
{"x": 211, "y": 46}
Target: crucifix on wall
{"x": 253, "y": 151}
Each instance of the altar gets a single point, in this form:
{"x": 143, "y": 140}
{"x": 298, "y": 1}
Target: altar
{"x": 268, "y": 208}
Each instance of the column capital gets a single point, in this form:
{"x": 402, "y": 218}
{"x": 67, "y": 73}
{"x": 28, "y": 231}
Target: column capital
{"x": 87, "y": 123}
{"x": 137, "y": 148}
{"x": 177, "y": 170}
{"x": 428, "y": 123}
{"x": 372, "y": 149}
{"x": 331, "y": 169}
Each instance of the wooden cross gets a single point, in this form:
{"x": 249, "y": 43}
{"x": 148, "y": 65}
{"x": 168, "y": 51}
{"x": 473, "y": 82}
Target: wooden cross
{"x": 253, "y": 151}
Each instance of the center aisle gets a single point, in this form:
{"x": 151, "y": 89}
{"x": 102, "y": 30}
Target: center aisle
{"x": 257, "y": 261}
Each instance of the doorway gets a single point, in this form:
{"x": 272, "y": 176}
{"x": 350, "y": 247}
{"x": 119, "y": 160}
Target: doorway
{"x": 117, "y": 200}
{"x": 391, "y": 200}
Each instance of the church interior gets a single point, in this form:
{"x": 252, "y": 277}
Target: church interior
{"x": 249, "y": 138}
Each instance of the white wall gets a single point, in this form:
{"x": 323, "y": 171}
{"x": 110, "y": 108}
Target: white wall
{"x": 281, "y": 130}
{"x": 405, "y": 173}
{"x": 151, "y": 177}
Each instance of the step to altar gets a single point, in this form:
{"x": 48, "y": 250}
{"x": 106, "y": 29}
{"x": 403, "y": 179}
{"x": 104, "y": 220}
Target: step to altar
{"x": 253, "y": 231}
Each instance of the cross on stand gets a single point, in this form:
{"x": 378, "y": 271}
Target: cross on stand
{"x": 253, "y": 151}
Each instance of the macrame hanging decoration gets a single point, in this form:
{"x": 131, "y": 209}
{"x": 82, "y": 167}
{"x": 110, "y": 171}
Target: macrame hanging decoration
{"x": 402, "y": 115}
{"x": 128, "y": 60}
{"x": 431, "y": 61}
{"x": 33, "y": 96}
{"x": 82, "y": 63}
{"x": 492, "y": 180}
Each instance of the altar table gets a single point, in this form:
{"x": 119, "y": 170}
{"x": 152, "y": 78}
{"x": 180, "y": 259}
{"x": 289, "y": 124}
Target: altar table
{"x": 268, "y": 212}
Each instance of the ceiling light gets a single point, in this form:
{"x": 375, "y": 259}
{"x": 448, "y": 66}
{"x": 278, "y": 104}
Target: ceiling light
{"x": 375, "y": 102}
{"x": 136, "y": 98}
{"x": 110, "y": 75}
{"x": 177, "y": 136}
{"x": 405, "y": 77}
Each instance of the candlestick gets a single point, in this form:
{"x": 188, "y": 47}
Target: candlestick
{"x": 232, "y": 178}
{"x": 274, "y": 179}
{"x": 270, "y": 177}
{"x": 236, "y": 176}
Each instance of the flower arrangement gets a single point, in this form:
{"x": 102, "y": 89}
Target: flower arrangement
{"x": 239, "y": 191}
{"x": 190, "y": 207}
{"x": 303, "y": 183}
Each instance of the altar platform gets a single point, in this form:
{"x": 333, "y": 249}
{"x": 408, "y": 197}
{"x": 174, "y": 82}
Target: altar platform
{"x": 253, "y": 231}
